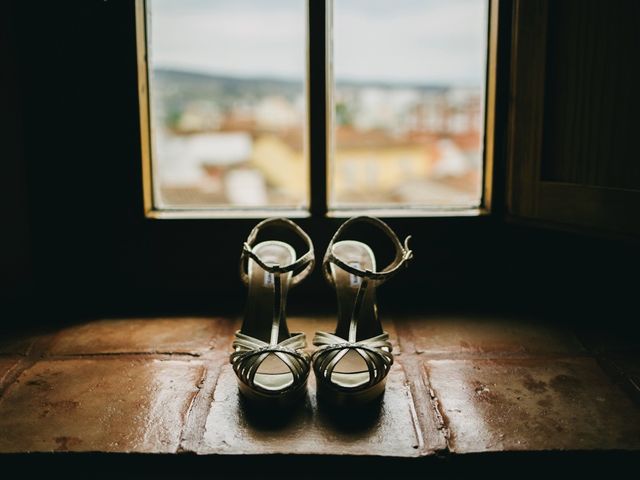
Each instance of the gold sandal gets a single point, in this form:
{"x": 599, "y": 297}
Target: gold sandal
{"x": 269, "y": 362}
{"x": 351, "y": 365}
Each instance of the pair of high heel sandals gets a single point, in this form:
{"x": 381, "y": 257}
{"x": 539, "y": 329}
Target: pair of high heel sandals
{"x": 351, "y": 364}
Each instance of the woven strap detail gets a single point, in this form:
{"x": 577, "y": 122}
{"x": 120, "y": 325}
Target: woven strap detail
{"x": 375, "y": 351}
{"x": 250, "y": 352}
{"x": 299, "y": 269}
{"x": 402, "y": 253}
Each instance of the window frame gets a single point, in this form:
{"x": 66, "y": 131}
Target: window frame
{"x": 319, "y": 129}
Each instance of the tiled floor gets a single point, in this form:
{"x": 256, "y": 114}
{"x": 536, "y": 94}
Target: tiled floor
{"x": 459, "y": 385}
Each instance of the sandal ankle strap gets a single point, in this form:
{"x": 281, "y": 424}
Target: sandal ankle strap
{"x": 300, "y": 268}
{"x": 403, "y": 253}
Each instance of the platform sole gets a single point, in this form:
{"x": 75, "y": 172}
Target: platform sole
{"x": 341, "y": 398}
{"x": 276, "y": 401}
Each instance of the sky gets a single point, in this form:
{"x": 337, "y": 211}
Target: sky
{"x": 412, "y": 41}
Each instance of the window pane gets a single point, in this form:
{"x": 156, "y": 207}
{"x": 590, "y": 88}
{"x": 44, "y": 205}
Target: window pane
{"x": 228, "y": 103}
{"x": 408, "y": 93}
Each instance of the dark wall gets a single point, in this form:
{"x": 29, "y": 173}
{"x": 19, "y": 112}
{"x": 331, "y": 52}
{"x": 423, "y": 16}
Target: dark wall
{"x": 76, "y": 88}
{"x": 15, "y": 250}
{"x": 78, "y": 242}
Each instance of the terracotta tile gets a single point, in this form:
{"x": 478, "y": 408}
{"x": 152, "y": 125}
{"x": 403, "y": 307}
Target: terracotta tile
{"x": 533, "y": 404}
{"x": 6, "y": 366}
{"x": 146, "y": 335}
{"x": 465, "y": 336}
{"x": 106, "y": 405}
{"x": 327, "y": 323}
{"x": 391, "y": 429}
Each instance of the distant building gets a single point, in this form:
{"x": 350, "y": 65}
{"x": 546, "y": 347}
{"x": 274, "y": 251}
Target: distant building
{"x": 277, "y": 113}
{"x": 196, "y": 168}
{"x": 393, "y": 144}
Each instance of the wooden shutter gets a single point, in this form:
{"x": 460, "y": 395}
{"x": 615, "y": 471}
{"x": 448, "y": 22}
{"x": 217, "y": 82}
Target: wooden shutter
{"x": 573, "y": 156}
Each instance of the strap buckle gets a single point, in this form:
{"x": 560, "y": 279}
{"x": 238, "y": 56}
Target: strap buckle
{"x": 407, "y": 253}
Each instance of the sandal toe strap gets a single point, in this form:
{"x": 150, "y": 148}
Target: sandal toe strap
{"x": 375, "y": 351}
{"x": 251, "y": 352}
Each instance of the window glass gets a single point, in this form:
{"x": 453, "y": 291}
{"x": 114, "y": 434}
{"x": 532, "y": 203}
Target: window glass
{"x": 408, "y": 103}
{"x": 228, "y": 103}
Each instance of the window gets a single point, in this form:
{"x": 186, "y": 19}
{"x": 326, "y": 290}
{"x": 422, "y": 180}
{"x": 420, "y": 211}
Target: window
{"x": 230, "y": 116}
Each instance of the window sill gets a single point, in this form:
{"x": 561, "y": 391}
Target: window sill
{"x": 226, "y": 214}
{"x": 460, "y": 384}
